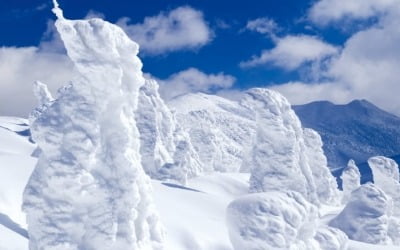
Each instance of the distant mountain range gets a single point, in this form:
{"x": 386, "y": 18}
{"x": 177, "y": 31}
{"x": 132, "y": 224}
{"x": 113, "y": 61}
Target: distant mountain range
{"x": 357, "y": 130}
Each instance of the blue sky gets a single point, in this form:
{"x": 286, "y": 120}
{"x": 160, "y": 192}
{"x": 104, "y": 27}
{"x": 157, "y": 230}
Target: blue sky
{"x": 308, "y": 50}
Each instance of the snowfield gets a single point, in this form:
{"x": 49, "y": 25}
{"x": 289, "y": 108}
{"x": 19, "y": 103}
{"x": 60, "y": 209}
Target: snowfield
{"x": 194, "y": 216}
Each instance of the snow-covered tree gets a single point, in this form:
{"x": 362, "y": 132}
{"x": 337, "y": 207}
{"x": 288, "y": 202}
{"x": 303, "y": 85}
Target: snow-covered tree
{"x": 385, "y": 172}
{"x": 327, "y": 189}
{"x": 278, "y": 158}
{"x": 365, "y": 217}
{"x": 350, "y": 180}
{"x": 88, "y": 190}
{"x": 165, "y": 148}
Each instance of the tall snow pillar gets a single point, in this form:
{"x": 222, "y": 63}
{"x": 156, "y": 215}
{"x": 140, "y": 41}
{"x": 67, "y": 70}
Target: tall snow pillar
{"x": 88, "y": 190}
{"x": 350, "y": 180}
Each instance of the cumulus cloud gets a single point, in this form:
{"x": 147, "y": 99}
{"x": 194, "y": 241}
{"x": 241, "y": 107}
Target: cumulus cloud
{"x": 367, "y": 68}
{"x": 181, "y": 28}
{"x": 20, "y": 67}
{"x": 291, "y": 52}
{"x": 193, "y": 80}
{"x": 325, "y": 12}
{"x": 263, "y": 25}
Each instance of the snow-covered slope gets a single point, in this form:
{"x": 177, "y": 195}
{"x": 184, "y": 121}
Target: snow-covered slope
{"x": 193, "y": 216}
{"x": 357, "y": 130}
{"x": 16, "y": 165}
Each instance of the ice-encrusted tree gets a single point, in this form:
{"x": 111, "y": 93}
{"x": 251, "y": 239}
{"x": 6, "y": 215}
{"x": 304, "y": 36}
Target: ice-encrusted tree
{"x": 278, "y": 158}
{"x": 366, "y": 215}
{"x": 88, "y": 190}
{"x": 327, "y": 189}
{"x": 350, "y": 180}
{"x": 165, "y": 148}
{"x": 385, "y": 173}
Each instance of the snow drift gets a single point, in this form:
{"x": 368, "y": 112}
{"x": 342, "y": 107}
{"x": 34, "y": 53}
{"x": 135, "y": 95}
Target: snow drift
{"x": 272, "y": 220}
{"x": 88, "y": 189}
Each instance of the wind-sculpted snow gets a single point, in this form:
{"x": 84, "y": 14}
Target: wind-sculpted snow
{"x": 219, "y": 129}
{"x": 366, "y": 215}
{"x": 278, "y": 157}
{"x": 272, "y": 220}
{"x": 326, "y": 184}
{"x": 165, "y": 149}
{"x": 43, "y": 97}
{"x": 88, "y": 190}
{"x": 350, "y": 180}
{"x": 385, "y": 173}
{"x": 330, "y": 238}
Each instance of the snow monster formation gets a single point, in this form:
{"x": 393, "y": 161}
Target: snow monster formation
{"x": 88, "y": 190}
{"x": 166, "y": 150}
{"x": 282, "y": 212}
{"x": 278, "y": 158}
{"x": 327, "y": 191}
{"x": 351, "y": 179}
{"x": 385, "y": 172}
{"x": 366, "y": 215}
{"x": 272, "y": 220}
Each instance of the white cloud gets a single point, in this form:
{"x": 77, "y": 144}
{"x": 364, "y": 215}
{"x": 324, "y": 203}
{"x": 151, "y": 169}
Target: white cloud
{"x": 193, "y": 80}
{"x": 291, "y": 52}
{"x": 324, "y": 12}
{"x": 181, "y": 28}
{"x": 263, "y": 25}
{"x": 367, "y": 68}
{"x": 19, "y": 68}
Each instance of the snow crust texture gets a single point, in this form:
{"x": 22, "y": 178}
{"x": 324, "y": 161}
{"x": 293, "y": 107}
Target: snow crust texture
{"x": 88, "y": 189}
{"x": 366, "y": 215}
{"x": 350, "y": 180}
{"x": 272, "y": 220}
{"x": 330, "y": 238}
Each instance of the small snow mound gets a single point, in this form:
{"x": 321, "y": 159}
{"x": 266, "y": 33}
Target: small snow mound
{"x": 350, "y": 180}
{"x": 330, "y": 238}
{"x": 365, "y": 217}
{"x": 272, "y": 220}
